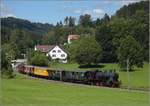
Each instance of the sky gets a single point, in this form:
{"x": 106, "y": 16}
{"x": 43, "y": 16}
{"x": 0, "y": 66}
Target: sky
{"x": 53, "y": 11}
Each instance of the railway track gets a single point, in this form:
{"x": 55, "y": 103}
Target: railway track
{"x": 122, "y": 88}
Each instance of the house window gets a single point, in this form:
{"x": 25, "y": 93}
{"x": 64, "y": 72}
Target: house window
{"x": 62, "y": 55}
{"x": 54, "y": 51}
{"x": 53, "y": 55}
{"x": 59, "y": 51}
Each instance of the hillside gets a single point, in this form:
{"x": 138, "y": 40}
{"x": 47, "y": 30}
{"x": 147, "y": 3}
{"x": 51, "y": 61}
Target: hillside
{"x": 132, "y": 9}
{"x": 16, "y": 23}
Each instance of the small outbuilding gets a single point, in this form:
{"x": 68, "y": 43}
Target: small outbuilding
{"x": 72, "y": 38}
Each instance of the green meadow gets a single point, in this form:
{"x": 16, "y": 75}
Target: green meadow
{"x": 26, "y": 91}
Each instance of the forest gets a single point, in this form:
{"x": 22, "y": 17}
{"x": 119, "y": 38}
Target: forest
{"x": 130, "y": 22}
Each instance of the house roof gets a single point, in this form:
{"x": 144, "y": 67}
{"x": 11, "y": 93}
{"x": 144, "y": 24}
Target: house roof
{"x": 62, "y": 48}
{"x": 44, "y": 48}
{"x": 47, "y": 48}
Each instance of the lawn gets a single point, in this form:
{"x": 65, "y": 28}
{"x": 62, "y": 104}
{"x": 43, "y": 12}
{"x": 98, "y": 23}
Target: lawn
{"x": 25, "y": 91}
{"x": 139, "y": 79}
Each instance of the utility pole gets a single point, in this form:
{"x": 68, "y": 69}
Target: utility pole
{"x": 128, "y": 75}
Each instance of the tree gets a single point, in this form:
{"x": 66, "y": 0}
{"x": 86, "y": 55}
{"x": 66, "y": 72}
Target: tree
{"x": 61, "y": 35}
{"x": 49, "y": 38}
{"x": 59, "y": 24}
{"x": 104, "y": 37}
{"x": 71, "y": 21}
{"x": 130, "y": 10}
{"x": 97, "y": 22}
{"x": 10, "y": 50}
{"x": 6, "y": 69}
{"x": 140, "y": 30}
{"x": 71, "y": 48}
{"x": 131, "y": 50}
{"x": 85, "y": 20}
{"x": 138, "y": 13}
{"x": 22, "y": 40}
{"x": 105, "y": 19}
{"x": 66, "y": 20}
{"x": 5, "y": 32}
{"x": 88, "y": 51}
{"x": 38, "y": 59}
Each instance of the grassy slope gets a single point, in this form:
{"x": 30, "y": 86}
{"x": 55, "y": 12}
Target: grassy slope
{"x": 138, "y": 78}
{"x": 33, "y": 92}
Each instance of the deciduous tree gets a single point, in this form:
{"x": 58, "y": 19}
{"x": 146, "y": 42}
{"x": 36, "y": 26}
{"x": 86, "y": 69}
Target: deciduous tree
{"x": 87, "y": 51}
{"x": 38, "y": 59}
{"x": 131, "y": 50}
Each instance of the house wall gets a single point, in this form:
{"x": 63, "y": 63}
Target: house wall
{"x": 69, "y": 40}
{"x": 35, "y": 48}
{"x": 57, "y": 53}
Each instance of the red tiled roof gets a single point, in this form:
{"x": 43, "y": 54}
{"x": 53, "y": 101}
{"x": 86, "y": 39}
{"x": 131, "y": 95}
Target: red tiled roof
{"x": 44, "y": 48}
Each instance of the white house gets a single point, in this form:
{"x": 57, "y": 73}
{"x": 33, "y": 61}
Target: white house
{"x": 53, "y": 51}
{"x": 72, "y": 38}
